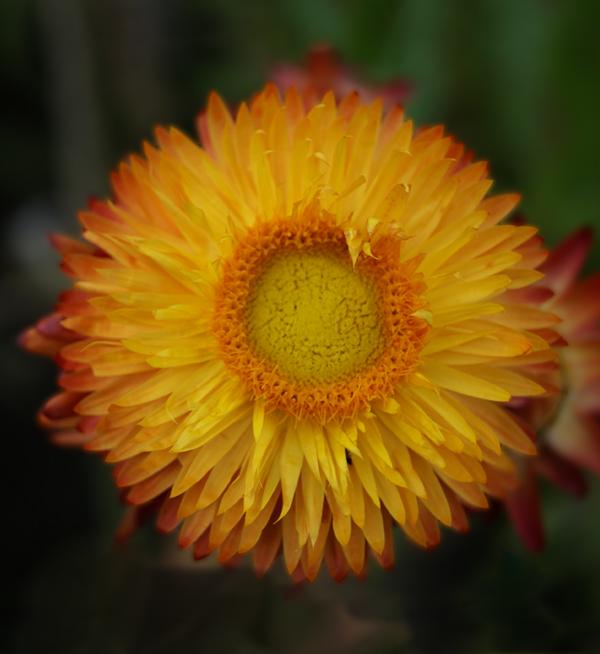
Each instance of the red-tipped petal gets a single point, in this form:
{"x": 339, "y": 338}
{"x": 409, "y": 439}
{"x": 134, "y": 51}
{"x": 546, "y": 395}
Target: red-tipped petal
{"x": 168, "y": 519}
{"x": 68, "y": 245}
{"x": 88, "y": 424}
{"x": 202, "y": 547}
{"x": 50, "y": 327}
{"x": 36, "y": 343}
{"x": 564, "y": 262}
{"x": 70, "y": 438}
{"x": 335, "y": 560}
{"x": 128, "y": 524}
{"x": 523, "y": 508}
{"x": 61, "y": 405}
{"x": 530, "y": 295}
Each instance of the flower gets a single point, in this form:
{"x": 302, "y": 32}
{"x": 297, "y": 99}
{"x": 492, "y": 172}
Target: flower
{"x": 323, "y": 71}
{"x": 567, "y": 424}
{"x": 299, "y": 334}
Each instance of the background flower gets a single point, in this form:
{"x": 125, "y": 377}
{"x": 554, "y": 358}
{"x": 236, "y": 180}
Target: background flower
{"x": 567, "y": 425}
{"x": 324, "y": 71}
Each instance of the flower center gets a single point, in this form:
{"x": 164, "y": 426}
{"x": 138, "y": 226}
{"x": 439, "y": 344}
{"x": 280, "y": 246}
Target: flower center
{"x": 308, "y": 332}
{"x": 314, "y": 317}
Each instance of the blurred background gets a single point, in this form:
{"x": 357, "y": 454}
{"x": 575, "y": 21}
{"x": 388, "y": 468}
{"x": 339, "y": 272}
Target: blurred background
{"x": 84, "y": 82}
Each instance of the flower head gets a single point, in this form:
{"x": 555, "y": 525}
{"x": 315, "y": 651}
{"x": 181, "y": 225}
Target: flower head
{"x": 567, "y": 423}
{"x": 300, "y": 334}
{"x": 324, "y": 71}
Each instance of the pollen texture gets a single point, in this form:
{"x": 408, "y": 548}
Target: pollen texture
{"x": 314, "y": 317}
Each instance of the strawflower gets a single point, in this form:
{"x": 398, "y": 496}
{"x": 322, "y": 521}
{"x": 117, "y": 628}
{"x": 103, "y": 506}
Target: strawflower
{"x": 567, "y": 423}
{"x": 324, "y": 70}
{"x": 300, "y": 334}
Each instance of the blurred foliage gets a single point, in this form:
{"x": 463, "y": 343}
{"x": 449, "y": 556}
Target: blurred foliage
{"x": 84, "y": 81}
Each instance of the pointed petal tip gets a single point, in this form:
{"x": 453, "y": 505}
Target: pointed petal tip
{"x": 524, "y": 511}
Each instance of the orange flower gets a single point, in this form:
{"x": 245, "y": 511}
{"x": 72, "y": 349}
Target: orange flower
{"x": 300, "y": 334}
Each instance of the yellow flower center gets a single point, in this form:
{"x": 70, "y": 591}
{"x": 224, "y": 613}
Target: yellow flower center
{"x": 314, "y": 317}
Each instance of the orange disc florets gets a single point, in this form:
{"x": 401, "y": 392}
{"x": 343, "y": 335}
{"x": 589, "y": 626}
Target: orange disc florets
{"x": 396, "y": 289}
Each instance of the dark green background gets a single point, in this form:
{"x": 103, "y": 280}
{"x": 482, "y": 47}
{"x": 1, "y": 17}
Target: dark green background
{"x": 83, "y": 82}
